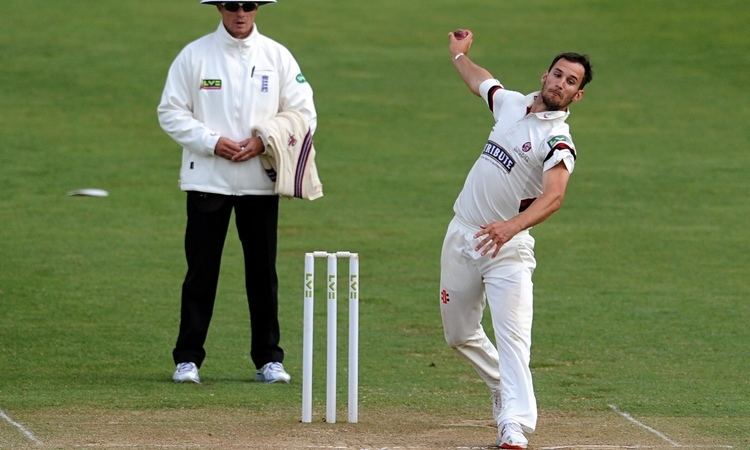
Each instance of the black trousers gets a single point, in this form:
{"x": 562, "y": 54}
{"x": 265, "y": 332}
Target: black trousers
{"x": 256, "y": 217}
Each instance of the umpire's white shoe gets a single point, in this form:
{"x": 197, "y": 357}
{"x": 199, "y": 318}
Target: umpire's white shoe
{"x": 273, "y": 372}
{"x": 186, "y": 371}
{"x": 510, "y": 435}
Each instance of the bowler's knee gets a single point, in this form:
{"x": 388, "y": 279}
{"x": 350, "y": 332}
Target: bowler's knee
{"x": 455, "y": 338}
{"x": 457, "y": 328}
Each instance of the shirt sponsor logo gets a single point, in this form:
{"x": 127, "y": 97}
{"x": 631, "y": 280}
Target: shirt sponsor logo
{"x": 521, "y": 154}
{"x": 554, "y": 140}
{"x": 499, "y": 156}
{"x": 264, "y": 83}
{"x": 300, "y": 78}
{"x": 210, "y": 84}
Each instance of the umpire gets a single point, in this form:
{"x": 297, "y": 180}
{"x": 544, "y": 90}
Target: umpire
{"x": 219, "y": 87}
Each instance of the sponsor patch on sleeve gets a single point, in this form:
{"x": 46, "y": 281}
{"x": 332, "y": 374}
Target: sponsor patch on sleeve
{"x": 555, "y": 140}
{"x": 301, "y": 78}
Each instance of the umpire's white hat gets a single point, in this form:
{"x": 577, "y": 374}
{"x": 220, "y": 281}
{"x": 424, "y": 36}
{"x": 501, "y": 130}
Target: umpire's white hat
{"x": 214, "y": 2}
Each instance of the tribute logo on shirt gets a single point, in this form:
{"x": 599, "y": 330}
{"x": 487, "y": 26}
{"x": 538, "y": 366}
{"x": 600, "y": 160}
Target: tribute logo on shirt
{"x": 210, "y": 84}
{"x": 498, "y": 156}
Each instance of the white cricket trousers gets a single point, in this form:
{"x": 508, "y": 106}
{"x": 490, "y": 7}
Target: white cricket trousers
{"x": 466, "y": 279}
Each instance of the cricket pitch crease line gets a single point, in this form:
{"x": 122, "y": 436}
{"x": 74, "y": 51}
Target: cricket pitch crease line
{"x": 643, "y": 425}
{"x": 337, "y": 447}
{"x": 27, "y": 434}
{"x": 116, "y": 445}
{"x": 656, "y": 432}
{"x": 626, "y": 447}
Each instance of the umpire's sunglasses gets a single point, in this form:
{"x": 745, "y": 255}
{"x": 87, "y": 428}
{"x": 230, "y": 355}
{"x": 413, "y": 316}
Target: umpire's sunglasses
{"x": 235, "y": 6}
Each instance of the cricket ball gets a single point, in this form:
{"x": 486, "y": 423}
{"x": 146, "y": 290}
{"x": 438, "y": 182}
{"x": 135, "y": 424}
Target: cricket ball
{"x": 460, "y": 34}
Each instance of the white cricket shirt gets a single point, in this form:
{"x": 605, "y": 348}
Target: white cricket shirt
{"x": 507, "y": 177}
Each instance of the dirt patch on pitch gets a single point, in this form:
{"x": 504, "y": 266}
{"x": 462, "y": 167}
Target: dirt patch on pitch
{"x": 246, "y": 429}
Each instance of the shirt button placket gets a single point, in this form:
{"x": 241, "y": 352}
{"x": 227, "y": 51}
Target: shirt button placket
{"x": 244, "y": 54}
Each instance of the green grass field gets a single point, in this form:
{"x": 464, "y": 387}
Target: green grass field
{"x": 642, "y": 298}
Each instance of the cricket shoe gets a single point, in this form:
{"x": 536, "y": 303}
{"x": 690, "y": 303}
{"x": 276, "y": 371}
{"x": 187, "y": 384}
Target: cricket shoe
{"x": 186, "y": 371}
{"x": 273, "y": 372}
{"x": 511, "y": 436}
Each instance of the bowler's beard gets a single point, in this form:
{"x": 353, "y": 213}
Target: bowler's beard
{"x": 551, "y": 102}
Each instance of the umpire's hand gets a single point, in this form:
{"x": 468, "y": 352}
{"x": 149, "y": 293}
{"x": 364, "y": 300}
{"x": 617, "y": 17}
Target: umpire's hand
{"x": 239, "y": 151}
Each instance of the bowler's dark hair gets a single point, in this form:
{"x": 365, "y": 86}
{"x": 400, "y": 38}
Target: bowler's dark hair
{"x": 579, "y": 58}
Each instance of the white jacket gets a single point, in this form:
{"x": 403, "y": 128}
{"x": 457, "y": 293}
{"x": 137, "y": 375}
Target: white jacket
{"x": 289, "y": 157}
{"x": 219, "y": 86}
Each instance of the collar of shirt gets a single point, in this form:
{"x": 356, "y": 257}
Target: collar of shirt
{"x": 234, "y": 42}
{"x": 545, "y": 115}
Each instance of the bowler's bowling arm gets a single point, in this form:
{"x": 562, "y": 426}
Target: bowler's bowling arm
{"x": 472, "y": 74}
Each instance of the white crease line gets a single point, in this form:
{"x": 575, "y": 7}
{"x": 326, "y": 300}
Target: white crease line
{"x": 594, "y": 446}
{"x": 326, "y": 446}
{"x": 28, "y": 434}
{"x": 115, "y": 445}
{"x": 643, "y": 425}
{"x": 337, "y": 447}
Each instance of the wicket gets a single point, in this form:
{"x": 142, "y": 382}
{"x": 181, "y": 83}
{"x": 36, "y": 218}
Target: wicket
{"x": 307, "y": 341}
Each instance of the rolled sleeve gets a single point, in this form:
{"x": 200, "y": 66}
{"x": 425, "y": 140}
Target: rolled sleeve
{"x": 558, "y": 155}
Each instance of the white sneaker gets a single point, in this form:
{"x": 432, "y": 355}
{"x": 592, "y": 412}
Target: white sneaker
{"x": 273, "y": 372}
{"x": 186, "y": 371}
{"x": 497, "y": 406}
{"x": 510, "y": 435}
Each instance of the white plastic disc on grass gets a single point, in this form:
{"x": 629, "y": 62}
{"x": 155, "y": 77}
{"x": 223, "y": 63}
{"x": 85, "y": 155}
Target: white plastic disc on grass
{"x": 89, "y": 192}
